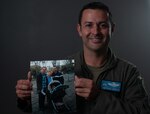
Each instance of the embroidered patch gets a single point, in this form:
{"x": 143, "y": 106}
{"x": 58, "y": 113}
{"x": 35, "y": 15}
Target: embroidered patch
{"x": 111, "y": 86}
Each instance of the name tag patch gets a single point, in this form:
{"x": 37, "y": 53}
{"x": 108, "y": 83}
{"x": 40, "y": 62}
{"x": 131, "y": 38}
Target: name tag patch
{"x": 110, "y": 85}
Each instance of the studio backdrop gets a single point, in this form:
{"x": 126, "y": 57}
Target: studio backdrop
{"x": 46, "y": 29}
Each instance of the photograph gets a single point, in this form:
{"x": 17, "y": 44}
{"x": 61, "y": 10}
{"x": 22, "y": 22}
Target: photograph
{"x": 53, "y": 87}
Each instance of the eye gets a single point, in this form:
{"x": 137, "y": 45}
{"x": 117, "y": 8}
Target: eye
{"x": 88, "y": 25}
{"x": 104, "y": 25}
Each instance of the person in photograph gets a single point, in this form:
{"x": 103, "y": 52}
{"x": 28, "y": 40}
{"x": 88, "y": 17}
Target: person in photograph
{"x": 50, "y": 79}
{"x": 104, "y": 83}
{"x": 50, "y": 76}
{"x": 57, "y": 75}
{"x": 42, "y": 83}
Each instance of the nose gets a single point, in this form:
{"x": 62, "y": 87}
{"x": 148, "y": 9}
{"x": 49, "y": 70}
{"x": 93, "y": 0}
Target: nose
{"x": 96, "y": 30}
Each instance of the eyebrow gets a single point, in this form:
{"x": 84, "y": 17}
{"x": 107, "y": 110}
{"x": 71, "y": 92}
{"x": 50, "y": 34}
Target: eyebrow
{"x": 86, "y": 22}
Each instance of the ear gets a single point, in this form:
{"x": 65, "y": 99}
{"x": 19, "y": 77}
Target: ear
{"x": 79, "y": 30}
{"x": 113, "y": 27}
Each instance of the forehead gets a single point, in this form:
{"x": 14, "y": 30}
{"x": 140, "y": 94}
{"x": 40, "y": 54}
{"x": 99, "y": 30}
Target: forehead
{"x": 94, "y": 15}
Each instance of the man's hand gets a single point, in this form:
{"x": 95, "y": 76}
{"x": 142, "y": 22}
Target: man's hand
{"x": 24, "y": 87}
{"x": 85, "y": 88}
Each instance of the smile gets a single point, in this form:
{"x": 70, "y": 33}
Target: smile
{"x": 96, "y": 40}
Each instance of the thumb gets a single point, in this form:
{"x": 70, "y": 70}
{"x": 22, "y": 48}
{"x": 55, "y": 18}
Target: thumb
{"x": 29, "y": 76}
{"x": 76, "y": 78}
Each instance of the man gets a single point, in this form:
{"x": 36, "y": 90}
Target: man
{"x": 42, "y": 83}
{"x": 57, "y": 75}
{"x": 104, "y": 84}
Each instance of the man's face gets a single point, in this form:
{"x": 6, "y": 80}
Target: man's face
{"x": 55, "y": 70}
{"x": 95, "y": 29}
{"x": 43, "y": 70}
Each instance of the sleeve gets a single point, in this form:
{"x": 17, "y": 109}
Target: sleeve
{"x": 133, "y": 101}
{"x": 24, "y": 105}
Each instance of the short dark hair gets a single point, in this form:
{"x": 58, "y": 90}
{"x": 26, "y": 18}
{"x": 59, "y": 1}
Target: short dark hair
{"x": 95, "y": 5}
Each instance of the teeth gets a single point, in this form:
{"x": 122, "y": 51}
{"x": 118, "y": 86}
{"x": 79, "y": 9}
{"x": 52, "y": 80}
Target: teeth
{"x": 96, "y": 40}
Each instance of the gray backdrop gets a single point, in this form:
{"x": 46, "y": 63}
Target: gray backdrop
{"x": 40, "y": 29}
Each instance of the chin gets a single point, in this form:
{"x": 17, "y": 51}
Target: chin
{"x": 99, "y": 48}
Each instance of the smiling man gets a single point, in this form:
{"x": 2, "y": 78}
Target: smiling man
{"x": 104, "y": 83}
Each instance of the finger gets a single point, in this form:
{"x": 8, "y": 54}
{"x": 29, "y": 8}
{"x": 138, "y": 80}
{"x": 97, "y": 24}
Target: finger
{"x": 77, "y": 82}
{"x": 23, "y": 96}
{"x": 77, "y": 78}
{"x": 29, "y": 76}
{"x": 23, "y": 87}
{"x": 83, "y": 82}
{"x": 23, "y": 82}
{"x": 23, "y": 92}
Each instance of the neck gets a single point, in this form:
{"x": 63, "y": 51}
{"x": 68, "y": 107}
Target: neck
{"x": 95, "y": 58}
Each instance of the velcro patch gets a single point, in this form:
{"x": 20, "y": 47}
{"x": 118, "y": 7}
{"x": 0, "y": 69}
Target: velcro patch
{"x": 110, "y": 85}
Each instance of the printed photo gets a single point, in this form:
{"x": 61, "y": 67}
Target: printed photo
{"x": 53, "y": 87}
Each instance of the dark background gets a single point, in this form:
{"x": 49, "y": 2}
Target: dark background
{"x": 40, "y": 29}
